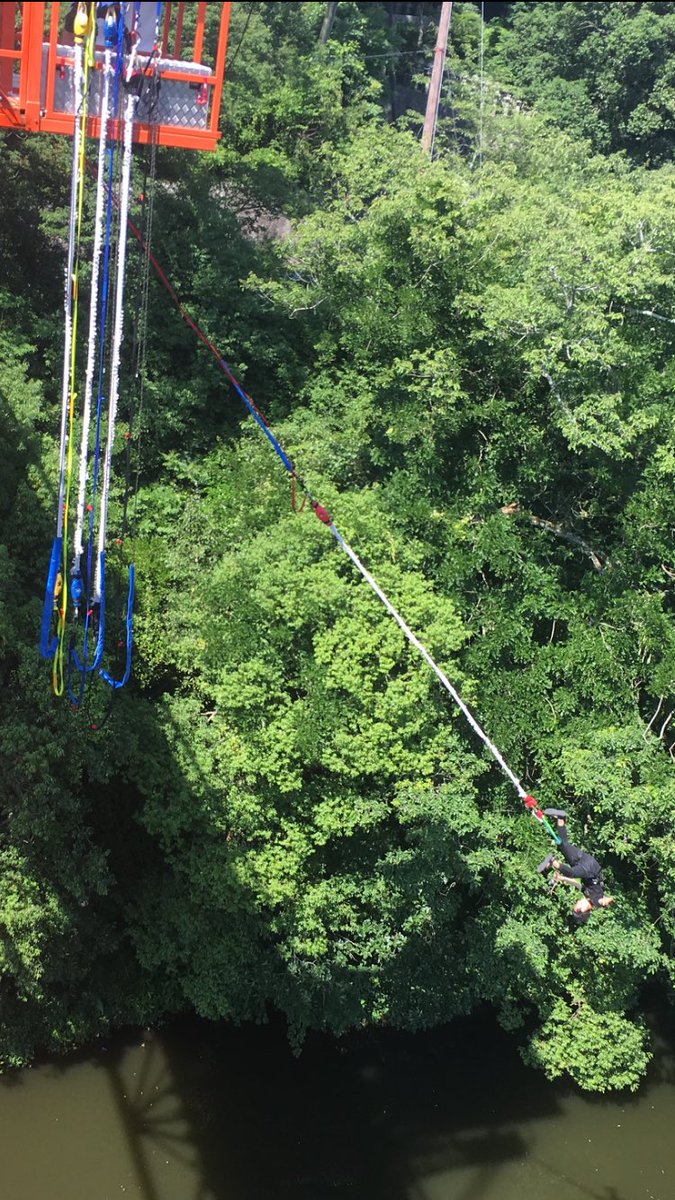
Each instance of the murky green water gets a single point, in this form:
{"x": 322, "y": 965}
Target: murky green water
{"x": 201, "y": 1112}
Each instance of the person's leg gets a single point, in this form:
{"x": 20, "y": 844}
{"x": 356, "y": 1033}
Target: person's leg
{"x": 569, "y": 872}
{"x": 572, "y": 853}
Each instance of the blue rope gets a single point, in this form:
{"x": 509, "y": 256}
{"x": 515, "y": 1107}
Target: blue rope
{"x": 105, "y": 675}
{"x": 258, "y": 418}
{"x": 48, "y": 645}
{"x": 119, "y": 683}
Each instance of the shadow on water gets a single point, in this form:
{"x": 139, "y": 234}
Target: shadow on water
{"x": 366, "y": 1118}
{"x": 582, "y": 1189}
{"x": 371, "y": 1116}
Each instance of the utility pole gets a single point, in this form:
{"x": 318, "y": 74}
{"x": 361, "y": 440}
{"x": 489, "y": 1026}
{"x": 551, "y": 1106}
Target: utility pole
{"x": 434, "y": 97}
{"x": 328, "y": 19}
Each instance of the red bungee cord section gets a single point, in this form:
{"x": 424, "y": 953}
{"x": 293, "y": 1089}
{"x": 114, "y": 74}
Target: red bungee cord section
{"x": 324, "y": 516}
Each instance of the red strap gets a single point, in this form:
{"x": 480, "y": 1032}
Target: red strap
{"x": 322, "y": 514}
{"x": 531, "y": 803}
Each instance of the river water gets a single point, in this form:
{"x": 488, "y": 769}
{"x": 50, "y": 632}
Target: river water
{"x": 210, "y": 1112}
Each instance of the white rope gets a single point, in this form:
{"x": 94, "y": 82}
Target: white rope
{"x": 93, "y": 310}
{"x": 118, "y": 326}
{"x": 414, "y": 641}
{"x": 66, "y": 382}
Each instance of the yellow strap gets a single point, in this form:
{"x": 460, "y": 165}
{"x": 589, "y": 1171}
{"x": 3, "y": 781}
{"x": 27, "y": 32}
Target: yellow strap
{"x": 81, "y": 22}
{"x": 58, "y": 681}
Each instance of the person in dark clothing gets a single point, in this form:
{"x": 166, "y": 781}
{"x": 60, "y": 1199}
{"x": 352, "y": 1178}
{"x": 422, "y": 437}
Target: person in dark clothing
{"x": 581, "y": 870}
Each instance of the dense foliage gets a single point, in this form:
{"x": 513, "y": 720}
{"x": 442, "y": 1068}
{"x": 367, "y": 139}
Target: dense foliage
{"x": 601, "y": 71}
{"x": 471, "y": 359}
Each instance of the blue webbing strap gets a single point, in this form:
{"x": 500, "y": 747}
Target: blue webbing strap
{"x": 257, "y": 416}
{"x": 119, "y": 683}
{"x": 47, "y": 645}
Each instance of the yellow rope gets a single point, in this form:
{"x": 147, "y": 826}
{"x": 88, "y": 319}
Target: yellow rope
{"x": 84, "y": 25}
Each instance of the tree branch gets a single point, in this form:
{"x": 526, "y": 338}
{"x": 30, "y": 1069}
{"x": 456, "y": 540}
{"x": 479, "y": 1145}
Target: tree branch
{"x": 600, "y": 561}
{"x": 647, "y": 312}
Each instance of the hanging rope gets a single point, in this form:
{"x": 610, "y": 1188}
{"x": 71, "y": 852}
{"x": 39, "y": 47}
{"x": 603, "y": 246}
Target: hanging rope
{"x": 150, "y": 97}
{"x": 54, "y": 582}
{"x": 135, "y": 81}
{"x": 56, "y": 595}
{"x": 146, "y": 84}
{"x": 114, "y": 33}
{"x": 482, "y": 84}
{"x": 130, "y": 104}
{"x": 77, "y": 588}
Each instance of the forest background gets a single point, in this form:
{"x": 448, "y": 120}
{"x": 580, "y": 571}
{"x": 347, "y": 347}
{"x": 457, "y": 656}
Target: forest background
{"x": 471, "y": 361}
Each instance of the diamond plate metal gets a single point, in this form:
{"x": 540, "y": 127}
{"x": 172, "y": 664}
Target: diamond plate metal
{"x": 178, "y": 100}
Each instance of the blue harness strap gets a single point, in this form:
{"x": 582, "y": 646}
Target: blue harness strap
{"x": 49, "y": 644}
{"x": 119, "y": 683}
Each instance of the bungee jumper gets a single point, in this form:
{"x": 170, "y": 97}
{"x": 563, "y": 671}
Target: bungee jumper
{"x": 581, "y": 870}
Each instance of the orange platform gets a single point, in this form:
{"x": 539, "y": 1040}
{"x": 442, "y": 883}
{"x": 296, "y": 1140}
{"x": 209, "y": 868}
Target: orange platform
{"x": 36, "y": 73}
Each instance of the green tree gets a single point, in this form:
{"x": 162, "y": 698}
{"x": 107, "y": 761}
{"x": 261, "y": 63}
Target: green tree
{"x": 601, "y": 71}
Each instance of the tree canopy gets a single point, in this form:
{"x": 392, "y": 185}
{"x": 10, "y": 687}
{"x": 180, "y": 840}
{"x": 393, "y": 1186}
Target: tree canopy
{"x": 601, "y": 71}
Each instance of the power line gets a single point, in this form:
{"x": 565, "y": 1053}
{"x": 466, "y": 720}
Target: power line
{"x": 242, "y": 36}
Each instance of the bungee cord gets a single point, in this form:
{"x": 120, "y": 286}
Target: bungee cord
{"x": 323, "y": 515}
{"x": 57, "y": 590}
{"x": 528, "y": 800}
{"x": 77, "y": 587}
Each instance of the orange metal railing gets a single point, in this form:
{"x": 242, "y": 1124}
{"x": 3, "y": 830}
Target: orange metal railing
{"x": 33, "y": 60}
